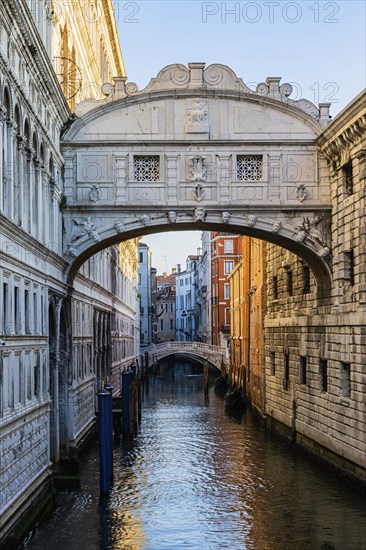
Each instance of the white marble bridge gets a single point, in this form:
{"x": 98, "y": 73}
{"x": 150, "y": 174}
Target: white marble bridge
{"x": 215, "y": 355}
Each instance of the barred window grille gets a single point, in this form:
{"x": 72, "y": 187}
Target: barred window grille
{"x": 249, "y": 168}
{"x": 146, "y": 168}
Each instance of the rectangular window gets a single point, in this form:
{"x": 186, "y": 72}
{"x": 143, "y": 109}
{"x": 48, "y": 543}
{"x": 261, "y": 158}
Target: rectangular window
{"x": 249, "y": 168}
{"x": 26, "y": 311}
{"x": 275, "y": 287}
{"x": 228, "y": 267}
{"x": 290, "y": 288}
{"x": 35, "y": 313}
{"x": 161, "y": 307}
{"x": 141, "y": 257}
{"x": 272, "y": 358}
{"x": 345, "y": 379}
{"x": 5, "y": 308}
{"x": 161, "y": 324}
{"x": 323, "y": 374}
{"x": 305, "y": 278}
{"x": 349, "y": 266}
{"x": 16, "y": 310}
{"x": 286, "y": 373}
{"x": 171, "y": 308}
{"x": 171, "y": 324}
{"x": 139, "y": 278}
{"x": 228, "y": 246}
{"x": 227, "y": 291}
{"x": 347, "y": 173}
{"x": 302, "y": 370}
{"x": 227, "y": 316}
{"x": 146, "y": 168}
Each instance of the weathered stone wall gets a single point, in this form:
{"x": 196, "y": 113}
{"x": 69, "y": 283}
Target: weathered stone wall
{"x": 323, "y": 402}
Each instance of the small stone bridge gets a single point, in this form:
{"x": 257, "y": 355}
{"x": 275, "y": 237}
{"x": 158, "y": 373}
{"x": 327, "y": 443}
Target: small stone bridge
{"x": 215, "y": 355}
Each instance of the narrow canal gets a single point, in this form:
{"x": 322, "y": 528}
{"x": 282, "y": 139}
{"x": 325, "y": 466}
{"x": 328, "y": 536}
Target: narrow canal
{"x": 197, "y": 478}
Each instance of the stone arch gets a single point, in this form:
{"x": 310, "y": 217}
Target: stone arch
{"x": 196, "y": 356}
{"x": 316, "y": 257}
{"x": 7, "y": 101}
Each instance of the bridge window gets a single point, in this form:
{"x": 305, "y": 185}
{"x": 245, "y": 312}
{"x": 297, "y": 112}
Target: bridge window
{"x": 146, "y": 168}
{"x": 272, "y": 358}
{"x": 323, "y": 374}
{"x": 290, "y": 286}
{"x": 345, "y": 379}
{"x": 349, "y": 266}
{"x": 286, "y": 374}
{"x": 302, "y": 368}
{"x": 347, "y": 173}
{"x": 249, "y": 168}
{"x": 305, "y": 278}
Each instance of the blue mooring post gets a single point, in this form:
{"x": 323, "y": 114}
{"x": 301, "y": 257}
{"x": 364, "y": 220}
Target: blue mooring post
{"x": 125, "y": 383}
{"x": 103, "y": 408}
{"x": 109, "y": 389}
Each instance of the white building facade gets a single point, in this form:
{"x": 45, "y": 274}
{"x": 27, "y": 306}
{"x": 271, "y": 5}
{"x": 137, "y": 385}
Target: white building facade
{"x": 203, "y": 301}
{"x": 145, "y": 293}
{"x": 57, "y": 345}
{"x": 186, "y": 293}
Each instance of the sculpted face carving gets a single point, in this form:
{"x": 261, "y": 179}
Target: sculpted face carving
{"x": 199, "y": 214}
{"x": 145, "y": 220}
{"x": 225, "y": 217}
{"x": 172, "y": 216}
{"x": 120, "y": 227}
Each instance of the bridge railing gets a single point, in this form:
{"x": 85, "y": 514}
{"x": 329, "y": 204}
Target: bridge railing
{"x": 155, "y": 348}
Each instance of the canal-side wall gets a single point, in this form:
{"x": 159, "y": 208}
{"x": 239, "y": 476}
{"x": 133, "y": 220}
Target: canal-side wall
{"x": 315, "y": 371}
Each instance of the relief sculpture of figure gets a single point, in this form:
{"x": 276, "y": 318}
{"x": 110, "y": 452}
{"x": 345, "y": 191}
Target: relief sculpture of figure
{"x": 198, "y": 114}
{"x": 82, "y": 228}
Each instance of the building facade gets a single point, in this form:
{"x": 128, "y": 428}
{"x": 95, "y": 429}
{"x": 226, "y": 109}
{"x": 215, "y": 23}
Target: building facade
{"x": 146, "y": 295}
{"x": 225, "y": 254}
{"x": 186, "y": 294}
{"x": 165, "y": 307}
{"x": 203, "y": 300}
{"x": 57, "y": 346}
{"x": 247, "y": 310}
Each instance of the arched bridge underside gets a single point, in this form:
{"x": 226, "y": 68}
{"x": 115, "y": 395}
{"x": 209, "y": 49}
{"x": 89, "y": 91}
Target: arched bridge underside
{"x": 197, "y": 149}
{"x": 214, "y": 355}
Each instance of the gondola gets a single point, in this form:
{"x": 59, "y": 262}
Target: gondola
{"x": 234, "y": 400}
{"x": 221, "y": 383}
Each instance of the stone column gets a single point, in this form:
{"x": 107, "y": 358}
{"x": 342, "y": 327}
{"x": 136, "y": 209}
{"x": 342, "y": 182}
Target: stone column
{"x": 172, "y": 179}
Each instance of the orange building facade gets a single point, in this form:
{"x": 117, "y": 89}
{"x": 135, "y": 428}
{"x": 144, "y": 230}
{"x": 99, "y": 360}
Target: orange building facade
{"x": 247, "y": 310}
{"x": 225, "y": 254}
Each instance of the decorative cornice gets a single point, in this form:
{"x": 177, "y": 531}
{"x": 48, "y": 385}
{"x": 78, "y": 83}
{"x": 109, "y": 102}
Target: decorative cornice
{"x": 113, "y": 36}
{"x": 216, "y": 79}
{"x": 347, "y": 130}
{"x": 37, "y": 52}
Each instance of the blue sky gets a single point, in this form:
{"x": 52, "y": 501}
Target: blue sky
{"x": 317, "y": 46}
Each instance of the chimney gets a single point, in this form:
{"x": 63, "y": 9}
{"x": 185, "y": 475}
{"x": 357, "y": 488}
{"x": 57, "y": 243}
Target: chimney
{"x": 174, "y": 269}
{"x": 178, "y": 268}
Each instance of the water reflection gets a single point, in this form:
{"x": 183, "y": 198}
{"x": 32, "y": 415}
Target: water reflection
{"x": 197, "y": 478}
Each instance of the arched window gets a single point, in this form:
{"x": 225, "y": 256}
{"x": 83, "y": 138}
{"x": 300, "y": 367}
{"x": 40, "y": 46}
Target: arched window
{"x": 35, "y": 187}
{"x": 5, "y": 149}
{"x": 17, "y": 166}
{"x": 26, "y": 176}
